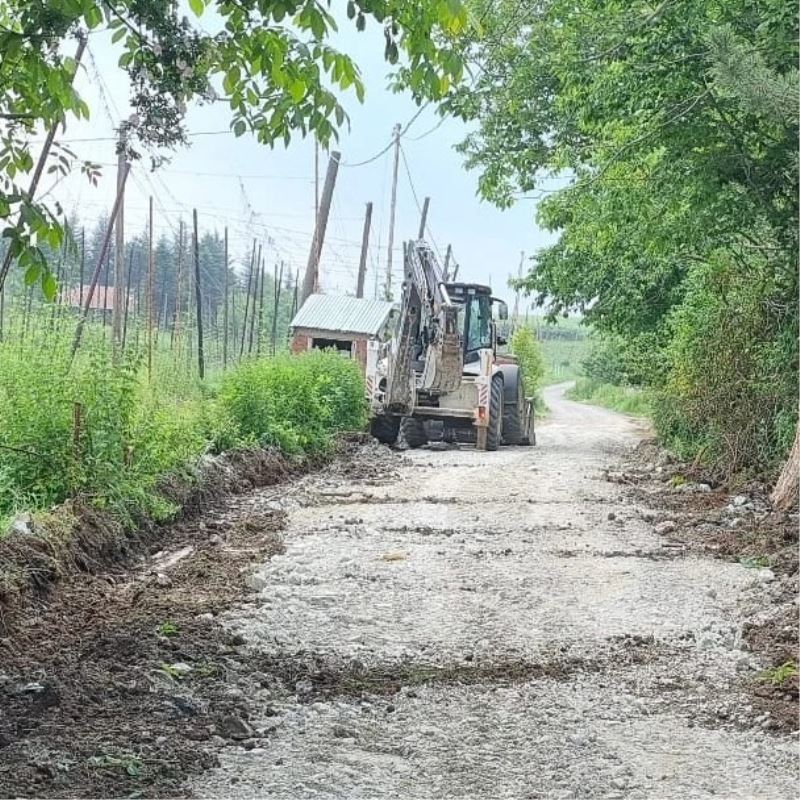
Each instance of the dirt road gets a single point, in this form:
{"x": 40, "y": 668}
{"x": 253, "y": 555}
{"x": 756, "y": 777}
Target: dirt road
{"x": 498, "y": 625}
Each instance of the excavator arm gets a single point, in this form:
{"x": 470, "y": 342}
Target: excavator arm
{"x": 427, "y": 350}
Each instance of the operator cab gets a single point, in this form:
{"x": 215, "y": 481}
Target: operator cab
{"x": 475, "y": 324}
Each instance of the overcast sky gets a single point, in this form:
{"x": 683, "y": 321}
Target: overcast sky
{"x": 257, "y": 191}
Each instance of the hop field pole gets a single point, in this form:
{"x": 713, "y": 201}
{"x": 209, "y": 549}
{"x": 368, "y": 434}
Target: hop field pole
{"x": 127, "y": 298}
{"x": 362, "y": 264}
{"x": 117, "y": 312}
{"x": 225, "y": 307}
{"x": 198, "y": 298}
{"x": 260, "y": 312}
{"x": 176, "y": 320}
{"x": 258, "y": 267}
{"x": 277, "y": 298}
{"x": 76, "y": 342}
{"x": 151, "y": 300}
{"x": 247, "y": 298}
{"x": 311, "y": 278}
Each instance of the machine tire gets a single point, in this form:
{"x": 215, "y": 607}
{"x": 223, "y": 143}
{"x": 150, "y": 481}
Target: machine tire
{"x": 385, "y": 429}
{"x": 513, "y": 432}
{"x": 493, "y": 432}
{"x": 413, "y": 432}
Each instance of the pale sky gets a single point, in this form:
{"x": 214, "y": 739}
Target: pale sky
{"x": 225, "y": 178}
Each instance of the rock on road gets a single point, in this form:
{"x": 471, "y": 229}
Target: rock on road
{"x": 539, "y": 638}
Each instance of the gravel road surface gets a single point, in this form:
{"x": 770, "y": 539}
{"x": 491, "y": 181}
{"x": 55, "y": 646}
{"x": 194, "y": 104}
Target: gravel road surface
{"x": 498, "y": 625}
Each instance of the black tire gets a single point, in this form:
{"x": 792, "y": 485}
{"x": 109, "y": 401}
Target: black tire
{"x": 493, "y": 432}
{"x": 385, "y": 429}
{"x": 513, "y": 432}
{"x": 413, "y": 432}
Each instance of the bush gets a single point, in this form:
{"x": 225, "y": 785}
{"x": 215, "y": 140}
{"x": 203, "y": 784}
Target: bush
{"x": 295, "y": 402}
{"x": 525, "y": 347}
{"x": 731, "y": 390}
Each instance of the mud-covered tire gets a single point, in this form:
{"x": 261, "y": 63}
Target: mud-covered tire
{"x": 413, "y": 432}
{"x": 494, "y": 431}
{"x": 385, "y": 429}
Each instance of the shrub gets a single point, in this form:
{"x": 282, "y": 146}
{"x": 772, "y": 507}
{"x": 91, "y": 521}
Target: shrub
{"x": 525, "y": 347}
{"x": 295, "y": 403}
{"x": 731, "y": 390}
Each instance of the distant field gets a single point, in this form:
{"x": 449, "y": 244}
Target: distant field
{"x": 563, "y": 345}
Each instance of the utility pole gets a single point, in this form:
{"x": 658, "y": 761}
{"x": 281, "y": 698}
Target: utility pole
{"x": 393, "y": 209}
{"x": 447, "y": 257}
{"x": 311, "y": 278}
{"x": 423, "y": 222}
{"x": 117, "y": 312}
{"x": 225, "y": 307}
{"x": 151, "y": 299}
{"x": 516, "y": 295}
{"x": 362, "y": 264}
{"x": 198, "y": 298}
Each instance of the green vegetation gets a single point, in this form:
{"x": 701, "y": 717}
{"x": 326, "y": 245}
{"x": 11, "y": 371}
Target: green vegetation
{"x": 781, "y": 674}
{"x": 97, "y": 428}
{"x": 662, "y": 141}
{"x": 563, "y": 345}
{"x": 627, "y": 399}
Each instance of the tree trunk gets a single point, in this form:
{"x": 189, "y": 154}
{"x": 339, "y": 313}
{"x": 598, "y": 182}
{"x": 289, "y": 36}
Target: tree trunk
{"x": 785, "y": 494}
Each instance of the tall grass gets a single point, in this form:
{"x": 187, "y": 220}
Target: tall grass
{"x": 99, "y": 427}
{"x": 626, "y": 399}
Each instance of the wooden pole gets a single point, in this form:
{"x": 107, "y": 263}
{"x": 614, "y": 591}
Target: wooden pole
{"x": 225, "y": 307}
{"x": 311, "y": 279}
{"x": 83, "y": 264}
{"x": 316, "y": 180}
{"x": 447, "y": 257}
{"x": 198, "y": 298}
{"x": 362, "y": 264}
{"x": 151, "y": 300}
{"x": 127, "y": 298}
{"x": 247, "y": 297}
{"x": 259, "y": 266}
{"x": 260, "y": 332}
{"x": 296, "y": 288}
{"x": 423, "y": 222}
{"x": 278, "y": 282}
{"x": 176, "y": 323}
{"x": 117, "y": 312}
{"x": 392, "y": 212}
{"x": 103, "y": 250}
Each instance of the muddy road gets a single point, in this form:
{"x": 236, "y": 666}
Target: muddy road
{"x": 496, "y": 625}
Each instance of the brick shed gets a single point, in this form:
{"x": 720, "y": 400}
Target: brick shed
{"x": 344, "y": 323}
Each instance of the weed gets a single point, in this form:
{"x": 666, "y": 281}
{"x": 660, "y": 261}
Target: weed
{"x": 168, "y": 629}
{"x": 626, "y": 399}
{"x": 777, "y": 676}
{"x": 132, "y": 765}
{"x": 677, "y": 480}
{"x": 754, "y": 562}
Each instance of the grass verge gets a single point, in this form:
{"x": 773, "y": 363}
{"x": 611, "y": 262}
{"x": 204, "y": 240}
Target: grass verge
{"x": 625, "y": 399}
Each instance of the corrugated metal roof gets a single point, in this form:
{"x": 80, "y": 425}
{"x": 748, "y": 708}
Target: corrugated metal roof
{"x": 343, "y": 314}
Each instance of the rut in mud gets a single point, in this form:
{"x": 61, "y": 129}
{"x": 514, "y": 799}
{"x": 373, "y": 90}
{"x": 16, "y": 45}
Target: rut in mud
{"x": 435, "y": 624}
{"x": 500, "y": 625}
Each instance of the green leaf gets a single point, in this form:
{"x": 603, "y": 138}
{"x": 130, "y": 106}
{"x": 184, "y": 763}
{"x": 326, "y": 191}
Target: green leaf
{"x": 93, "y": 16}
{"x": 197, "y": 6}
{"x": 120, "y": 33}
{"x": 49, "y": 286}
{"x": 239, "y": 127}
